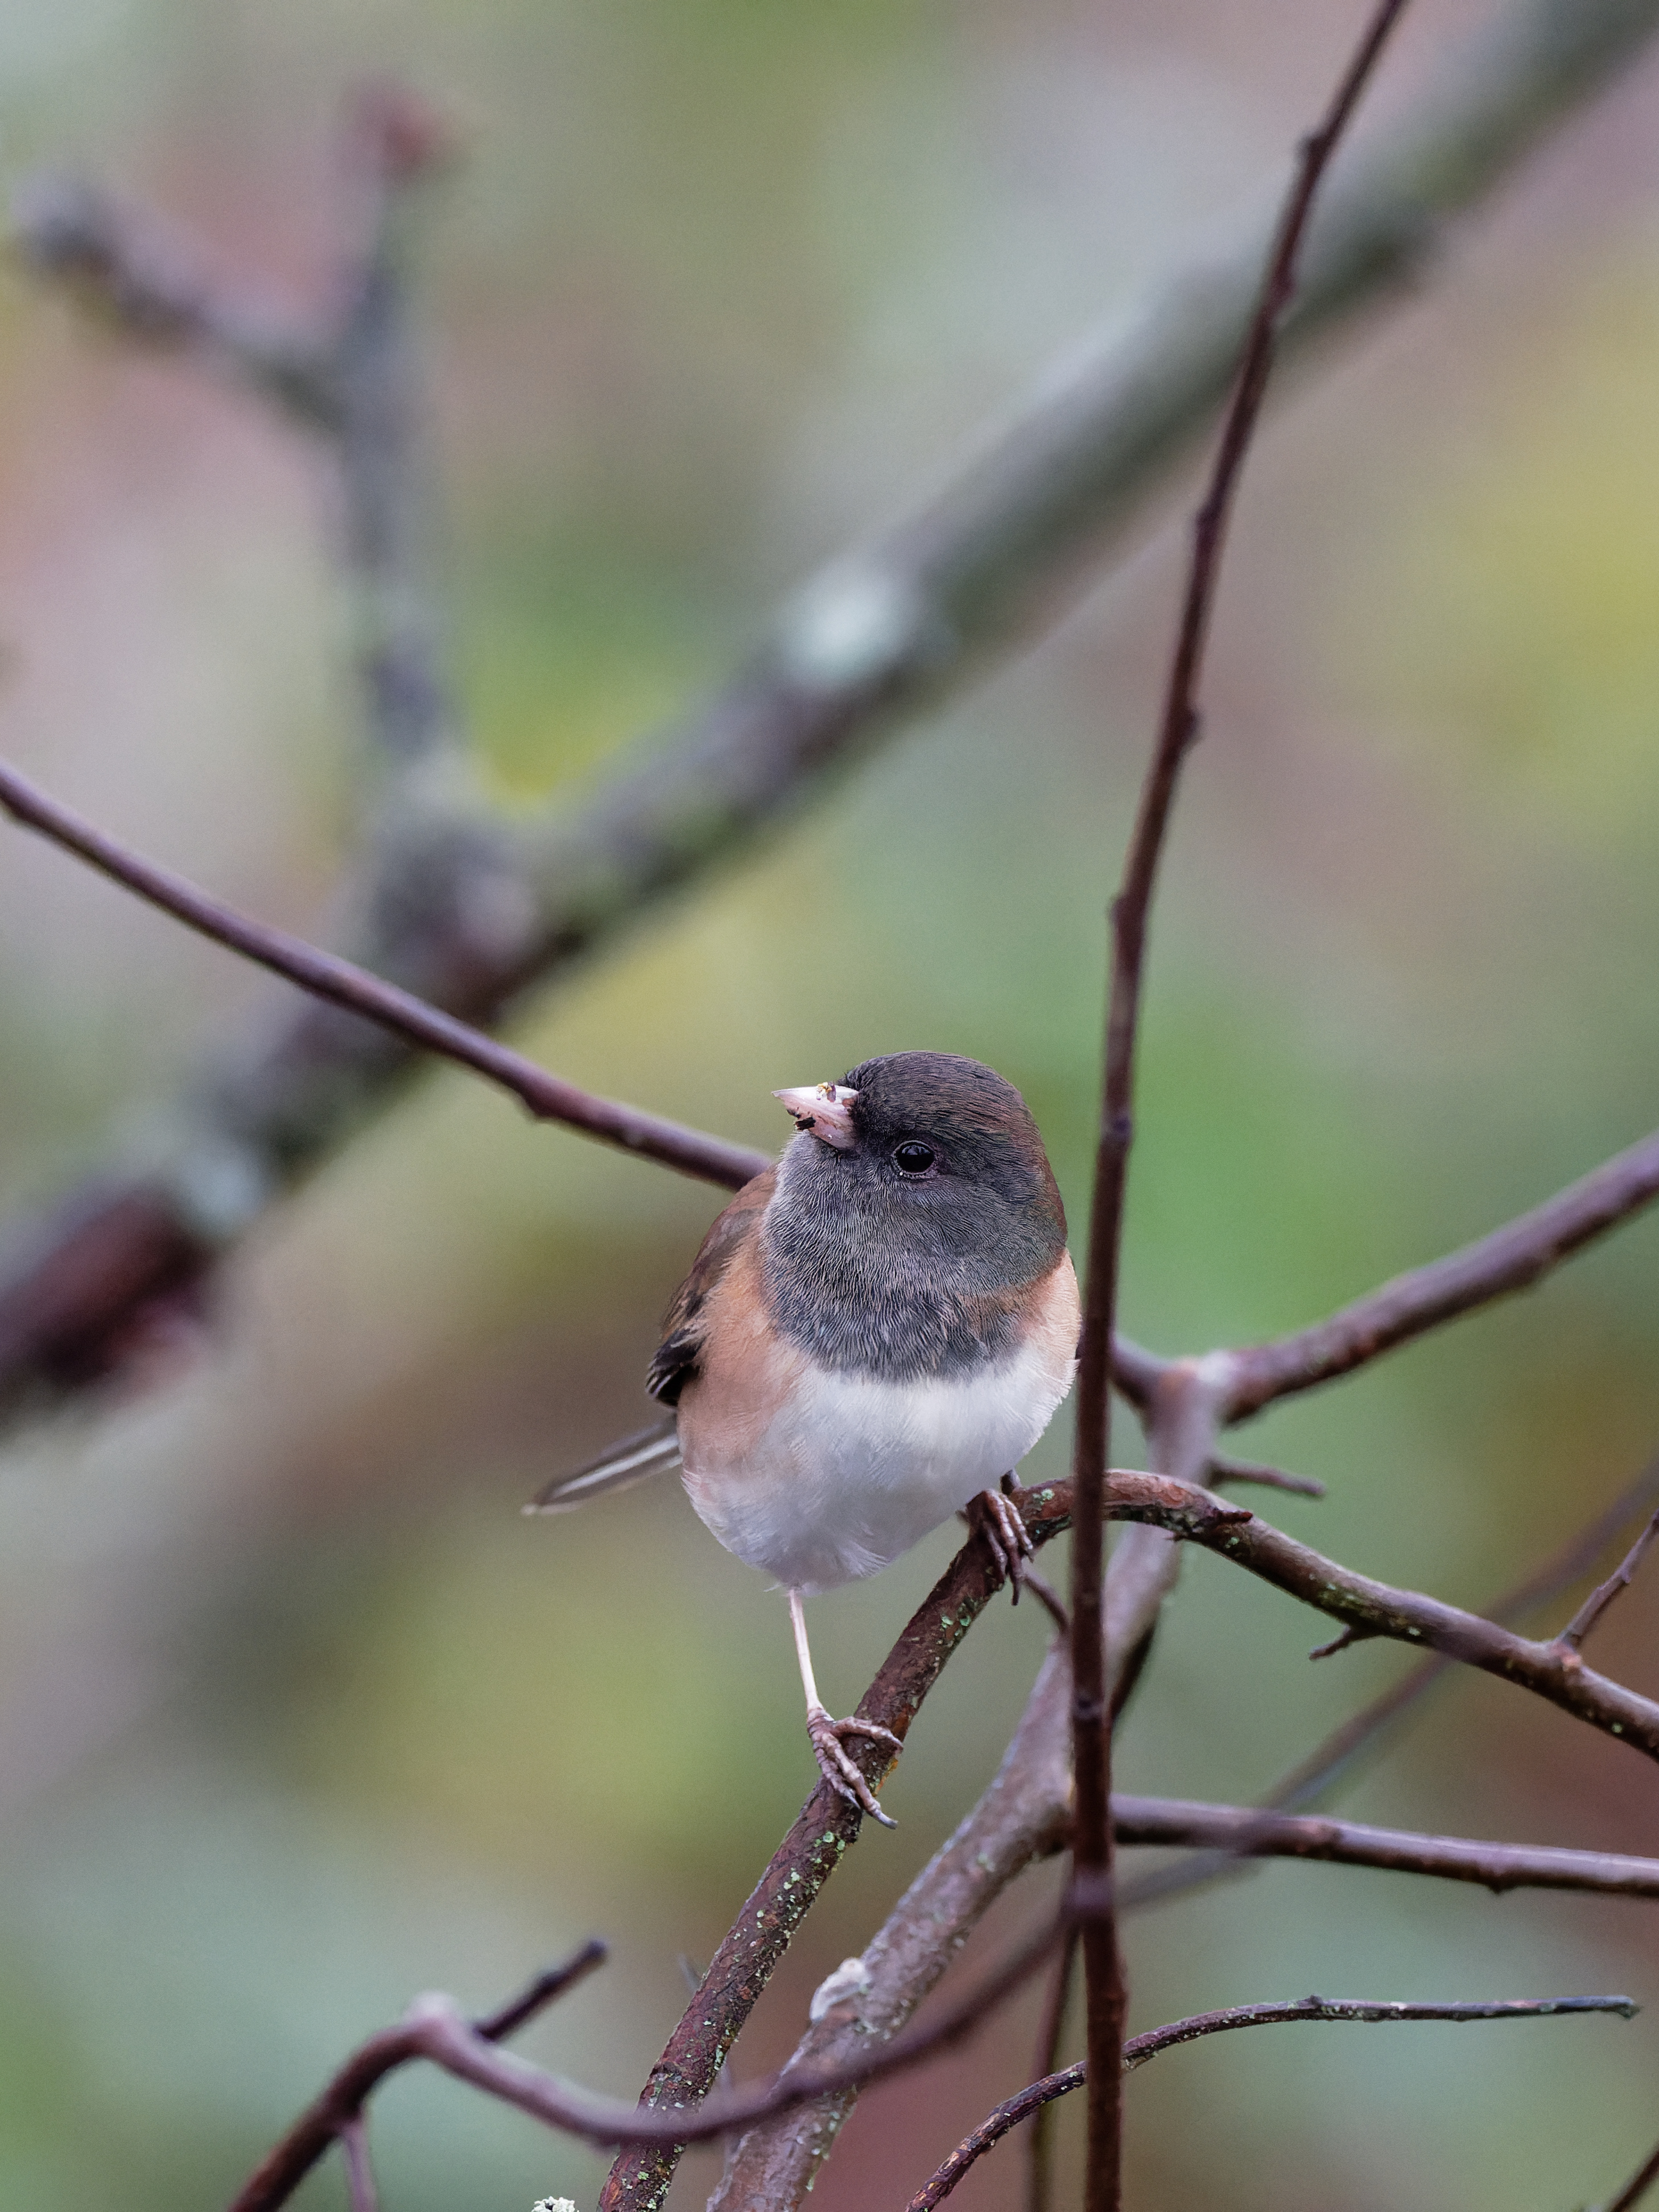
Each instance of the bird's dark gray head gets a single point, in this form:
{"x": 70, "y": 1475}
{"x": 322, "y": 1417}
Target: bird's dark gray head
{"x": 915, "y": 1200}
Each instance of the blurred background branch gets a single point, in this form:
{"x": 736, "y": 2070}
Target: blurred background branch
{"x": 468, "y": 910}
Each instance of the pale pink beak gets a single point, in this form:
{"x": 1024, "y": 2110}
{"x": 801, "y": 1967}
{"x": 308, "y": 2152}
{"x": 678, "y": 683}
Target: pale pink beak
{"x": 823, "y": 1110}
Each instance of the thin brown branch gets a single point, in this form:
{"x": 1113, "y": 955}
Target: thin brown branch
{"x": 1359, "y": 1600}
{"x": 286, "y": 2164}
{"x": 1035, "y": 2099}
{"x": 1320, "y": 2010}
{"x": 1224, "y": 1467}
{"x": 1332, "y": 1760}
{"x": 1510, "y": 1259}
{"x": 341, "y": 983}
{"x": 1249, "y": 1831}
{"x": 1106, "y": 1996}
{"x": 1040, "y": 2094}
{"x": 1308, "y": 1779}
{"x": 1572, "y": 1636}
{"x": 435, "y": 2028}
{"x": 1040, "y": 2144}
{"x": 1638, "y": 2187}
{"x": 1409, "y": 1617}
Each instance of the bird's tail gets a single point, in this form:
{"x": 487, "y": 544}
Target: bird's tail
{"x": 629, "y": 1460}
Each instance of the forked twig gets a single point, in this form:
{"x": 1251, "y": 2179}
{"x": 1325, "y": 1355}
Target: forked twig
{"x": 1308, "y": 1781}
{"x": 335, "y": 2114}
{"x": 1140, "y": 2048}
{"x": 1225, "y": 1466}
{"x": 435, "y": 2028}
{"x": 1572, "y": 1636}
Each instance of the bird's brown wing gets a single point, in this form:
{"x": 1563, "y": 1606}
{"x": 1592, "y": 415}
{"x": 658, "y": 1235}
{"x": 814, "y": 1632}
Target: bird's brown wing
{"x": 686, "y": 1322}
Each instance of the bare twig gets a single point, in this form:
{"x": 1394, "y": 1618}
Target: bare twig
{"x": 1409, "y": 1617}
{"x": 1331, "y": 1761}
{"x": 1091, "y": 1850}
{"x": 435, "y": 2028}
{"x": 1636, "y": 2187}
{"x": 884, "y": 628}
{"x": 1035, "y": 2099}
{"x": 1359, "y": 1600}
{"x": 1048, "y": 1598}
{"x": 1308, "y": 1779}
{"x": 548, "y": 1097}
{"x": 1039, "y": 2160}
{"x": 1318, "y": 2010}
{"x": 1038, "y": 2096}
{"x": 286, "y": 2164}
{"x": 1572, "y": 1636}
{"x": 1510, "y": 1259}
{"x": 1249, "y": 1831}
{"x": 1224, "y": 1467}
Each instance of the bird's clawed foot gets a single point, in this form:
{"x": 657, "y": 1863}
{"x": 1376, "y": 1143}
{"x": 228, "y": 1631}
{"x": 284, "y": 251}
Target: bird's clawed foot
{"x": 828, "y": 1747}
{"x": 996, "y": 1518}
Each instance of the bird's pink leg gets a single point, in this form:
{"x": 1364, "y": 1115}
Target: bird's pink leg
{"x": 827, "y": 1735}
{"x": 997, "y": 1519}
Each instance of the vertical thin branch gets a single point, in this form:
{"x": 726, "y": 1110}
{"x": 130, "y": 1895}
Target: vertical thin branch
{"x": 1092, "y": 1864}
{"x": 1040, "y": 2161}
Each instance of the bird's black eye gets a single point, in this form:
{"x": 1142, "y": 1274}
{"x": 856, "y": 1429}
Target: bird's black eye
{"x": 914, "y": 1159}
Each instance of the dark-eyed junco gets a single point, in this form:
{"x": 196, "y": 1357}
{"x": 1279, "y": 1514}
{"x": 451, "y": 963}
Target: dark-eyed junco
{"x": 874, "y": 1333}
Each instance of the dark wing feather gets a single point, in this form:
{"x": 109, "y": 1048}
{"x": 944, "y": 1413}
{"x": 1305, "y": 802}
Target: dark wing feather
{"x": 684, "y": 1324}
{"x": 629, "y": 1460}
{"x": 654, "y": 1450}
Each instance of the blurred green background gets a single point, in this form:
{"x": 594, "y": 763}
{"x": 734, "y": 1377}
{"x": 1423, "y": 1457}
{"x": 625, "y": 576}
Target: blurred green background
{"x": 297, "y": 1715}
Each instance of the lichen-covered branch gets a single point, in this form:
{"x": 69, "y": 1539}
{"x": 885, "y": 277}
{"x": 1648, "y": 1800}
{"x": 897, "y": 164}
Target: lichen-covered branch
{"x": 750, "y": 1952}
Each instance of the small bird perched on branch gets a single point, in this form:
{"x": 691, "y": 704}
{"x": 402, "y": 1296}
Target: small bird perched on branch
{"x": 874, "y": 1333}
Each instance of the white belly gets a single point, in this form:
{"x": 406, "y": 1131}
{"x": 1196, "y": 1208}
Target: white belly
{"x": 850, "y": 1471}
